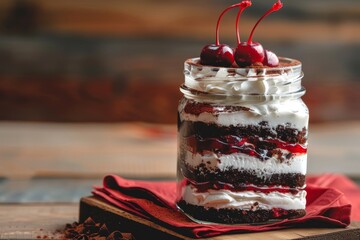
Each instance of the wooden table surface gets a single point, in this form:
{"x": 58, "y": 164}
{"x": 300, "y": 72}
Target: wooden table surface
{"x": 32, "y": 221}
{"x": 47, "y": 167}
{"x": 29, "y": 150}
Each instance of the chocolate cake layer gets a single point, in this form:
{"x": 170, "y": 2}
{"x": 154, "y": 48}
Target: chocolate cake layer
{"x": 262, "y": 130}
{"x": 239, "y": 177}
{"x": 233, "y": 216}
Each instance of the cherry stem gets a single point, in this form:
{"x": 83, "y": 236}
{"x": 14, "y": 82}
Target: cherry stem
{"x": 244, "y": 4}
{"x": 274, "y": 8}
{"x": 219, "y": 19}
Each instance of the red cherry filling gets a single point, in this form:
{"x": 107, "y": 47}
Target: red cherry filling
{"x": 248, "y": 53}
{"x": 221, "y": 55}
{"x": 252, "y": 146}
{"x": 217, "y": 55}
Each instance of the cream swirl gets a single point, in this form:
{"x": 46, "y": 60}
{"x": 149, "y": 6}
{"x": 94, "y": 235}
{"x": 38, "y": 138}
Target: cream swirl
{"x": 244, "y": 81}
{"x": 247, "y": 200}
{"x": 292, "y": 112}
{"x": 244, "y": 162}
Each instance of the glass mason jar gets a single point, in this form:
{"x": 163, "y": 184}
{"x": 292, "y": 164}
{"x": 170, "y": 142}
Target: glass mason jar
{"x": 242, "y": 143}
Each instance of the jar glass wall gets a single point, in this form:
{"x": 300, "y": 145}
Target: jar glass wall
{"x": 242, "y": 143}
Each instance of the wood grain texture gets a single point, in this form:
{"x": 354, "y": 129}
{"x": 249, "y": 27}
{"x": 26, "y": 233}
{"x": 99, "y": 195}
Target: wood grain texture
{"x": 180, "y": 19}
{"x": 119, "y": 219}
{"x": 108, "y": 61}
{"x": 142, "y": 228}
{"x": 33, "y": 221}
{"x": 140, "y": 150}
{"x": 46, "y": 190}
{"x": 28, "y": 221}
{"x": 87, "y": 150}
{"x": 99, "y": 100}
{"x": 154, "y": 101}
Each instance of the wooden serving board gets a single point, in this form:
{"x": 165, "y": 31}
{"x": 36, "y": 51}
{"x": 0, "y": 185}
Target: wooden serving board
{"x": 116, "y": 218}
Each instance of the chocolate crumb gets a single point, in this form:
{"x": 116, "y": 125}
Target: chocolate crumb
{"x": 116, "y": 235}
{"x": 103, "y": 231}
{"x": 127, "y": 236}
{"x": 89, "y": 222}
{"x": 91, "y": 230}
{"x": 82, "y": 237}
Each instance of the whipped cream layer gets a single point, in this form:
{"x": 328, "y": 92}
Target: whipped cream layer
{"x": 246, "y": 200}
{"x": 240, "y": 161}
{"x": 293, "y": 113}
{"x": 244, "y": 81}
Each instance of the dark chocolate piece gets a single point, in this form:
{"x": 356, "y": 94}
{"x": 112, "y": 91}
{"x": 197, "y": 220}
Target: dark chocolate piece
{"x": 90, "y": 230}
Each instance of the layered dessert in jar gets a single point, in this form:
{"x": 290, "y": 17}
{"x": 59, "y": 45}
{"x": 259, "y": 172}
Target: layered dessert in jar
{"x": 242, "y": 134}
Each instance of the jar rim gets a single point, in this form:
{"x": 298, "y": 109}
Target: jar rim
{"x": 284, "y": 64}
{"x": 243, "y": 83}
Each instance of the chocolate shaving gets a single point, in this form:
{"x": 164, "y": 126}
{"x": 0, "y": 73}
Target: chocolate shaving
{"x": 90, "y": 230}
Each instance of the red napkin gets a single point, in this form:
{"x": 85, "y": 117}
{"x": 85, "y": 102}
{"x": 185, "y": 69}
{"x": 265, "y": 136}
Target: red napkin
{"x": 350, "y": 189}
{"x": 155, "y": 201}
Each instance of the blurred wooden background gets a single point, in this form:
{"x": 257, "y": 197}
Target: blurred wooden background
{"x": 107, "y": 61}
{"x": 119, "y": 61}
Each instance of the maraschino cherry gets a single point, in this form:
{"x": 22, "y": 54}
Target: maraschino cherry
{"x": 271, "y": 59}
{"x": 217, "y": 54}
{"x": 248, "y": 53}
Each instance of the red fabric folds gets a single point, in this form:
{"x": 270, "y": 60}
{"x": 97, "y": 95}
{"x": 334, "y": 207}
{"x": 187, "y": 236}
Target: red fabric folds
{"x": 155, "y": 201}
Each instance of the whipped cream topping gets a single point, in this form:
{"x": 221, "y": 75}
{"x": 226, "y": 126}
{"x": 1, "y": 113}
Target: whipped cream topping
{"x": 244, "y": 81}
{"x": 291, "y": 112}
{"x": 247, "y": 200}
{"x": 240, "y": 161}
